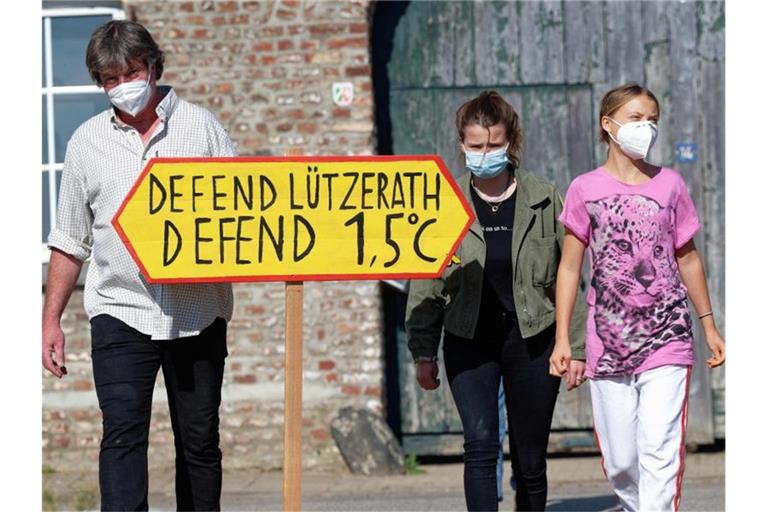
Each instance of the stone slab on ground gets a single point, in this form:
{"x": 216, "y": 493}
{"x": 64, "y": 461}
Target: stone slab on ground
{"x": 366, "y": 443}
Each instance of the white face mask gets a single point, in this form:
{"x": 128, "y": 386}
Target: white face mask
{"x": 131, "y": 97}
{"x": 636, "y": 138}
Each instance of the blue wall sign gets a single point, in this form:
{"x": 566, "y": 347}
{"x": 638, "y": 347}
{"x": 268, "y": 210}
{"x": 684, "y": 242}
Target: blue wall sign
{"x": 686, "y": 152}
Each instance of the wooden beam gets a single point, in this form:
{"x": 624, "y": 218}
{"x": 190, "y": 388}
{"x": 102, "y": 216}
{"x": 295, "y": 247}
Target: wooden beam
{"x": 294, "y": 299}
{"x": 292, "y": 419}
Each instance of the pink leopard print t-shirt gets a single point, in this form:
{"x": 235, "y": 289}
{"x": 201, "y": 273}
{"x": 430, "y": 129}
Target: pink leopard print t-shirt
{"x": 638, "y": 315}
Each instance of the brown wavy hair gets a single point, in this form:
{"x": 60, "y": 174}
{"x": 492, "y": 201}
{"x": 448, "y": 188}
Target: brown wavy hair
{"x": 615, "y": 98}
{"x": 118, "y": 42}
{"x": 489, "y": 109}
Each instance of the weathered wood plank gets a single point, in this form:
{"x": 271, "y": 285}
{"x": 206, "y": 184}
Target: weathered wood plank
{"x": 410, "y": 57}
{"x": 710, "y": 97}
{"x": 541, "y": 42}
{"x": 623, "y": 42}
{"x": 683, "y": 55}
{"x": 658, "y": 78}
{"x": 584, "y": 42}
{"x": 464, "y": 51}
{"x": 581, "y": 133}
{"x": 545, "y": 133}
{"x": 655, "y": 22}
{"x": 573, "y": 409}
{"x": 496, "y": 43}
{"x": 682, "y": 120}
{"x": 425, "y": 411}
{"x": 413, "y": 121}
{"x": 711, "y": 22}
{"x": 441, "y": 21}
{"x": 600, "y": 149}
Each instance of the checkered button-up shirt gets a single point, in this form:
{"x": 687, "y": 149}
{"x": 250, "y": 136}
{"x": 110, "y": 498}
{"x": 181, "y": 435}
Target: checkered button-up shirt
{"x": 103, "y": 160}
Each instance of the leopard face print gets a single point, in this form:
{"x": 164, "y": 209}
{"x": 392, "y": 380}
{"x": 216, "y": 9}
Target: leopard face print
{"x": 640, "y": 303}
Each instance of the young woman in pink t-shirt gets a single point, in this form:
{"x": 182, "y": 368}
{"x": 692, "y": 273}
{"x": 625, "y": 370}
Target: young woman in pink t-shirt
{"x": 638, "y": 221}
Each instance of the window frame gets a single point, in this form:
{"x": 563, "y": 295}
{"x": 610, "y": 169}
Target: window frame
{"x": 49, "y": 91}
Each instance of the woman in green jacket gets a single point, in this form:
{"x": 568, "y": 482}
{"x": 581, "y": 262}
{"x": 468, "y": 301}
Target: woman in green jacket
{"x": 495, "y": 305}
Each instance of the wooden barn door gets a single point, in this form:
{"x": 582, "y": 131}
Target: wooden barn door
{"x": 553, "y": 61}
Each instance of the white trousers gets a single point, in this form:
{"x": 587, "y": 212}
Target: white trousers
{"x": 639, "y": 423}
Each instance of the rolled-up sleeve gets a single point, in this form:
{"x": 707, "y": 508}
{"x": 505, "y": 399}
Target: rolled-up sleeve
{"x": 574, "y": 214}
{"x": 74, "y": 218}
{"x": 686, "y": 219}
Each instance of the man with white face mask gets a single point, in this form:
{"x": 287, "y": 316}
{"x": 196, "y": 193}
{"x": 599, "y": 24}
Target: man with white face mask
{"x": 138, "y": 328}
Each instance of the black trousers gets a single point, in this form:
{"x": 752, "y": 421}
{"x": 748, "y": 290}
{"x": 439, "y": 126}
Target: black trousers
{"x": 474, "y": 369}
{"x": 125, "y": 366}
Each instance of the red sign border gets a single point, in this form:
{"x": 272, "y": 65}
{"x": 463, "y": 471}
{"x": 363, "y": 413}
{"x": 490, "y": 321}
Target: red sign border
{"x": 294, "y": 277}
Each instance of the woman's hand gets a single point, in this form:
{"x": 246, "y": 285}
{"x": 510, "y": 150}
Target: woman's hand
{"x": 575, "y": 375}
{"x": 560, "y": 359}
{"x": 426, "y": 375}
{"x": 717, "y": 346}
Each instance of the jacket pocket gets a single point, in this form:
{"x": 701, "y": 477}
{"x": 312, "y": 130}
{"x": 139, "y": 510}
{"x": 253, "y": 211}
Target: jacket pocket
{"x": 541, "y": 258}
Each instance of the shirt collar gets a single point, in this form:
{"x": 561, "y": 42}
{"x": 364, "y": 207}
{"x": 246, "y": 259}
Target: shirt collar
{"x": 164, "y": 109}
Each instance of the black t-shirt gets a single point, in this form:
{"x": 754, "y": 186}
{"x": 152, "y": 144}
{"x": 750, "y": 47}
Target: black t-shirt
{"x": 497, "y": 277}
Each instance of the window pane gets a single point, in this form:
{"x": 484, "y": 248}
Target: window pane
{"x": 46, "y": 208}
{"x": 70, "y": 112}
{"x": 70, "y": 37}
{"x": 45, "y": 132}
{"x": 42, "y": 31}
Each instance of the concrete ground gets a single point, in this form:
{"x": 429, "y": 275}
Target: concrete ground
{"x": 575, "y": 484}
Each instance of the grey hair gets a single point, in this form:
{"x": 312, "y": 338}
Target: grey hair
{"x": 118, "y": 42}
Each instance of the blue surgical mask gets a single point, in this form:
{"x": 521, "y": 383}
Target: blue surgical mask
{"x": 487, "y": 165}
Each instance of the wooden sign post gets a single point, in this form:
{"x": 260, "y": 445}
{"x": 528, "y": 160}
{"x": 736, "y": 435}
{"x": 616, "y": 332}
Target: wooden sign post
{"x": 294, "y": 366}
{"x": 294, "y": 344}
{"x": 294, "y": 218}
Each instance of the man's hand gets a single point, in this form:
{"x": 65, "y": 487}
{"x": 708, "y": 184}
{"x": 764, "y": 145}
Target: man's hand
{"x": 575, "y": 374}
{"x": 53, "y": 350}
{"x": 63, "y": 270}
{"x": 426, "y": 374}
{"x": 560, "y": 359}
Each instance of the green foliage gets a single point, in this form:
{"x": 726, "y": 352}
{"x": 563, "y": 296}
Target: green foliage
{"x": 412, "y": 465}
{"x": 86, "y": 499}
{"x": 49, "y": 501}
{"x": 48, "y": 469}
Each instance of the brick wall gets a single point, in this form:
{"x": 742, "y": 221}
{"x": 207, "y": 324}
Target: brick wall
{"x": 265, "y": 69}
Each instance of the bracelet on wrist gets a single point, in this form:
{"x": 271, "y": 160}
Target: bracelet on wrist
{"x": 425, "y": 359}
{"x": 709, "y": 313}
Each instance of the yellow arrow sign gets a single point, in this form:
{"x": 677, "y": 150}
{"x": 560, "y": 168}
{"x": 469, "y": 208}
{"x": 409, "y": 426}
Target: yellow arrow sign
{"x": 293, "y": 218}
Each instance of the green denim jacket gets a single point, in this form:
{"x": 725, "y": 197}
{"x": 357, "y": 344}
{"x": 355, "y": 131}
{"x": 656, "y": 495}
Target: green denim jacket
{"x": 453, "y": 300}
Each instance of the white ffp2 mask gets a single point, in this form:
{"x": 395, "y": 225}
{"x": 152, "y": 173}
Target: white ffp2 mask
{"x": 636, "y": 138}
{"x": 131, "y": 97}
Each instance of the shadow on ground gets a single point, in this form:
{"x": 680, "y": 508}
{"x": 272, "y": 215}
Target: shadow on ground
{"x": 604, "y": 502}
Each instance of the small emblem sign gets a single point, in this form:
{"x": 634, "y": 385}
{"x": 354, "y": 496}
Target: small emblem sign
{"x": 343, "y": 93}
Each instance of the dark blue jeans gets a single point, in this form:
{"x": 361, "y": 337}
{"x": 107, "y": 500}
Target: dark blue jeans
{"x": 474, "y": 369}
{"x": 125, "y": 366}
